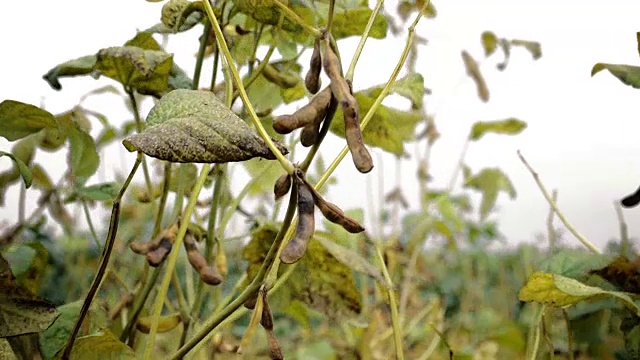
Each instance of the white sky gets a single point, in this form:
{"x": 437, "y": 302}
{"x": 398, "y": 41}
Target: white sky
{"x": 581, "y": 135}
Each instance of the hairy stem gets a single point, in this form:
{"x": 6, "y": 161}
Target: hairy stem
{"x": 104, "y": 259}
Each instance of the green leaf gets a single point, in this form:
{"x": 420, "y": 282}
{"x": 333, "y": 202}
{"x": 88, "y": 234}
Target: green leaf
{"x": 388, "y": 129}
{"x": 146, "y": 71}
{"x": 532, "y": 46}
{"x": 269, "y": 172}
{"x": 40, "y": 177}
{"x": 473, "y": 70}
{"x": 351, "y": 259}
{"x": 352, "y": 22}
{"x": 408, "y": 7}
{"x": 81, "y": 66}
{"x": 576, "y": 264}
{"x": 511, "y": 126}
{"x": 83, "y": 157}
{"x": 293, "y": 94}
{"x": 21, "y": 312}
{"x": 490, "y": 182}
{"x": 99, "y": 192}
{"x": 53, "y": 339}
{"x": 190, "y": 176}
{"x": 628, "y": 74}
{"x": 18, "y": 120}
{"x": 194, "y": 126}
{"x": 101, "y": 346}
{"x": 175, "y": 13}
{"x": 410, "y": 87}
{"x": 319, "y": 280}
{"x": 489, "y": 42}
{"x": 28, "y": 263}
{"x": 22, "y": 168}
{"x": 264, "y": 94}
{"x": 557, "y": 290}
{"x": 178, "y": 79}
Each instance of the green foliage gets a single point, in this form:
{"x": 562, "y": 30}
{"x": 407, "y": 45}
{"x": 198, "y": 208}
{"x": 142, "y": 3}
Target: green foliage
{"x": 18, "y": 120}
{"x": 194, "y": 126}
{"x": 510, "y": 126}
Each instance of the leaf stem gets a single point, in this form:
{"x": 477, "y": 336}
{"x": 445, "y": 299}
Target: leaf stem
{"x": 332, "y": 5}
{"x": 172, "y": 259}
{"x": 553, "y": 205}
{"x": 393, "y": 304}
{"x": 200, "y": 57}
{"x": 104, "y": 259}
{"x": 92, "y": 229}
{"x": 222, "y": 45}
{"x": 363, "y": 40}
{"x": 163, "y": 199}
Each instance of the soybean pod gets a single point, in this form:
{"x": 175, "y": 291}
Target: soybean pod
{"x": 312, "y": 79}
{"x": 297, "y": 246}
{"x": 208, "y": 274}
{"x": 310, "y": 113}
{"x": 334, "y": 214}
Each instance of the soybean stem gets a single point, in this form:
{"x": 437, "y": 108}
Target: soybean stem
{"x": 104, "y": 259}
{"x": 222, "y": 45}
{"x": 363, "y": 40}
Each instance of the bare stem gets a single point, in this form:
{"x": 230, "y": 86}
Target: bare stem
{"x": 553, "y": 205}
{"x": 363, "y": 40}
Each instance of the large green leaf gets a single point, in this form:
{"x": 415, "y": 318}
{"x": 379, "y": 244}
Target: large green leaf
{"x": 352, "y": 22}
{"x": 510, "y": 126}
{"x": 81, "y": 66}
{"x": 410, "y": 87}
{"x": 178, "y": 78}
{"x": 21, "y": 312}
{"x": 557, "y": 290}
{"x": 101, "y": 346}
{"x": 490, "y": 182}
{"x": 146, "y": 71}
{"x": 194, "y": 126}
{"x": 53, "y": 339}
{"x": 628, "y": 74}
{"x": 22, "y": 168}
{"x": 83, "y": 157}
{"x": 28, "y": 263}
{"x": 18, "y": 119}
{"x": 576, "y": 264}
{"x": 388, "y": 129}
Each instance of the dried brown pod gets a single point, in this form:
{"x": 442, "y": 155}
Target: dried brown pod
{"x": 310, "y": 134}
{"x": 275, "y": 351}
{"x": 312, "y": 112}
{"x": 359, "y": 153}
{"x": 159, "y": 253}
{"x": 267, "y": 317}
{"x": 209, "y": 275}
{"x": 312, "y": 79}
{"x": 251, "y": 302}
{"x": 282, "y": 79}
{"x": 334, "y": 214}
{"x": 297, "y": 246}
{"x": 282, "y": 186}
{"x": 332, "y": 68}
{"x": 142, "y": 247}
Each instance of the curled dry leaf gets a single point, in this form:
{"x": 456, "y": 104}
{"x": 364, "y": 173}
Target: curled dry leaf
{"x": 297, "y": 246}
{"x": 165, "y": 323}
{"x": 192, "y": 126}
{"x": 312, "y": 79}
{"x": 473, "y": 70}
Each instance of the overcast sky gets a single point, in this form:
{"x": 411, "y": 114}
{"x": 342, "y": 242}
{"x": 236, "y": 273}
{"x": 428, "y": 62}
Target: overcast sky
{"x": 582, "y": 131}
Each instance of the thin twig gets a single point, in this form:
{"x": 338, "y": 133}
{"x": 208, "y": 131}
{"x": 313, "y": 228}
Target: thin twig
{"x": 551, "y": 231}
{"x": 624, "y": 230}
{"x": 553, "y": 205}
